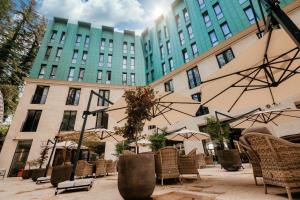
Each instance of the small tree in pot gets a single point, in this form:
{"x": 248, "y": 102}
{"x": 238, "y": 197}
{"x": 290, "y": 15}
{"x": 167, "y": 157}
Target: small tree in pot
{"x": 133, "y": 168}
{"x": 41, "y": 160}
{"x": 158, "y": 140}
{"x": 219, "y": 132}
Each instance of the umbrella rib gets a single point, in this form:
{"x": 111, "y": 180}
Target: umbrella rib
{"x": 270, "y": 90}
{"x": 294, "y": 72}
{"x": 247, "y": 76}
{"x": 178, "y": 102}
{"x": 179, "y": 111}
{"x": 283, "y": 54}
{"x": 290, "y": 63}
{"x": 165, "y": 117}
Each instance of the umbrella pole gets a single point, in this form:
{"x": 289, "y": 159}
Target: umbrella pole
{"x": 85, "y": 116}
{"x": 51, "y": 155}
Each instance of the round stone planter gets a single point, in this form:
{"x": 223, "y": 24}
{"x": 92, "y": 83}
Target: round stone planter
{"x": 136, "y": 176}
{"x": 230, "y": 159}
{"x": 36, "y": 173}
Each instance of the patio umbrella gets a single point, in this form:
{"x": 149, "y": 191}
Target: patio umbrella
{"x": 267, "y": 117}
{"x": 187, "y": 134}
{"x": 266, "y": 73}
{"x": 141, "y": 142}
{"x": 169, "y": 108}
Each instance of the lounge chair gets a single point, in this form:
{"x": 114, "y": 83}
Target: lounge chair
{"x": 188, "y": 164}
{"x": 166, "y": 164}
{"x": 84, "y": 169}
{"x": 111, "y": 167}
{"x": 279, "y": 160}
{"x": 100, "y": 167}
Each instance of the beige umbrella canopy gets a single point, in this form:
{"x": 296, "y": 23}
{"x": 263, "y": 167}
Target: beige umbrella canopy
{"x": 187, "y": 134}
{"x": 266, "y": 73}
{"x": 169, "y": 108}
{"x": 268, "y": 117}
{"x": 93, "y": 135}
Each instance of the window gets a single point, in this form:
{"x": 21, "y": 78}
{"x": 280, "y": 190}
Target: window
{"x": 151, "y": 127}
{"x": 42, "y": 71}
{"x": 149, "y": 45}
{"x": 177, "y": 19}
{"x": 124, "y": 62}
{"x": 225, "y": 57}
{"x": 218, "y": 11}
{"x": 102, "y": 44}
{"x": 104, "y": 99}
{"x": 75, "y": 56}
{"x": 161, "y": 50}
{"x": 185, "y": 56}
{"x": 84, "y": 57}
{"x": 242, "y": 1}
{"x": 168, "y": 47}
{"x": 226, "y": 31}
{"x": 151, "y": 60}
{"x": 132, "y": 63}
{"x": 250, "y": 14}
{"x": 99, "y": 76}
{"x": 73, "y": 96}
{"x": 81, "y": 74}
{"x": 101, "y": 59}
{"x": 213, "y": 38}
{"x": 169, "y": 86}
{"x": 124, "y": 47}
{"x": 58, "y": 54}
{"x": 159, "y": 36}
{"x": 32, "y": 121}
{"x": 40, "y": 94}
{"x": 194, "y": 49}
{"x": 166, "y": 32}
{"x": 190, "y": 31}
{"x": 193, "y": 77}
{"x": 71, "y": 74}
{"x": 132, "y": 78}
{"x": 186, "y": 15}
{"x": 78, "y": 40}
{"x": 87, "y": 41}
{"x": 124, "y": 78}
{"x": 109, "y": 60}
{"x": 48, "y": 52}
{"x": 146, "y": 62}
{"x": 201, "y": 3}
{"x": 62, "y": 38}
{"x": 102, "y": 120}
{"x": 68, "y": 121}
{"x": 53, "y": 72}
{"x": 53, "y": 36}
{"x": 146, "y": 48}
{"x": 206, "y": 19}
{"x": 202, "y": 109}
{"x": 181, "y": 38}
{"x": 171, "y": 64}
{"x": 147, "y": 77}
{"x": 164, "y": 68}
{"x": 152, "y": 75}
{"x": 108, "y": 77}
{"x": 132, "y": 48}
{"x": 110, "y": 45}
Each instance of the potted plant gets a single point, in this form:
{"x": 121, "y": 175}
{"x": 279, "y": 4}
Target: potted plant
{"x": 39, "y": 172}
{"x": 136, "y": 172}
{"x": 27, "y": 173}
{"x": 157, "y": 141}
{"x": 219, "y": 132}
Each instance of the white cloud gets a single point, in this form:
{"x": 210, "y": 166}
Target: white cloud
{"x": 105, "y": 12}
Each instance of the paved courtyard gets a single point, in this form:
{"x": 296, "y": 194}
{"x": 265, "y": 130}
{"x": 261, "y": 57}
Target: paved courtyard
{"x": 215, "y": 183}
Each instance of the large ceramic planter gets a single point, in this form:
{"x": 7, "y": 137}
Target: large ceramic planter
{"x": 136, "y": 176}
{"x": 230, "y": 159}
{"x": 60, "y": 174}
{"x": 36, "y": 173}
{"x": 27, "y": 173}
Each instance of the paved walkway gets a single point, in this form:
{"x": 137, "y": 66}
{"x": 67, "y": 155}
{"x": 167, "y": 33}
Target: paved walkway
{"x": 216, "y": 183}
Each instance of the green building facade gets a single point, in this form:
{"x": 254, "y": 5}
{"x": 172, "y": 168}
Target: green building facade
{"x": 80, "y": 52}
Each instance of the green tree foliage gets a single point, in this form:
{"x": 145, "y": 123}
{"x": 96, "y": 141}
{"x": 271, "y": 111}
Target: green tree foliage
{"x": 43, "y": 155}
{"x": 21, "y": 30}
{"x": 10, "y": 98}
{"x": 121, "y": 146}
{"x": 157, "y": 141}
{"x": 3, "y": 130}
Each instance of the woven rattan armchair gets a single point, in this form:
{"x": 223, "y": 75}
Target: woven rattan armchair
{"x": 84, "y": 169}
{"x": 200, "y": 157}
{"x": 279, "y": 160}
{"x": 166, "y": 164}
{"x": 100, "y": 167}
{"x": 111, "y": 167}
{"x": 188, "y": 164}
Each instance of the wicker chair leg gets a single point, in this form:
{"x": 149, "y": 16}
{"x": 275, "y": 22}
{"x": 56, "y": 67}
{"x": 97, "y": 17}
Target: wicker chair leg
{"x": 266, "y": 190}
{"x": 288, "y": 191}
{"x": 255, "y": 180}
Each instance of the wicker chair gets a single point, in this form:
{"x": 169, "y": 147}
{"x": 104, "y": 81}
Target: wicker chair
{"x": 188, "y": 164}
{"x": 200, "y": 157}
{"x": 111, "y": 167}
{"x": 279, "y": 159}
{"x": 84, "y": 169}
{"x": 166, "y": 164}
{"x": 252, "y": 156}
{"x": 100, "y": 167}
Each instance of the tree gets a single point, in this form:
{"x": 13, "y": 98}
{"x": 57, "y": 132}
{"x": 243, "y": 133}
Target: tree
{"x": 157, "y": 141}
{"x": 43, "y": 155}
{"x": 140, "y": 102}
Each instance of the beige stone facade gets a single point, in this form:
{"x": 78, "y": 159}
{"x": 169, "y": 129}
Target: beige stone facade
{"x": 55, "y": 105}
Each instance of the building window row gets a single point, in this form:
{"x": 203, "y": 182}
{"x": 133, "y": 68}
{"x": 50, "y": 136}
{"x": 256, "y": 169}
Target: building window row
{"x": 202, "y": 109}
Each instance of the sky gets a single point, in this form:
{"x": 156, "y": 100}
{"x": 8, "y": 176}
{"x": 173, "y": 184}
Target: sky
{"x": 122, "y": 14}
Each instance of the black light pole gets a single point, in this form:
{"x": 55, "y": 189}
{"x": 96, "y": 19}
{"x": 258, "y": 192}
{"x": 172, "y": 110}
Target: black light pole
{"x": 52, "y": 152}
